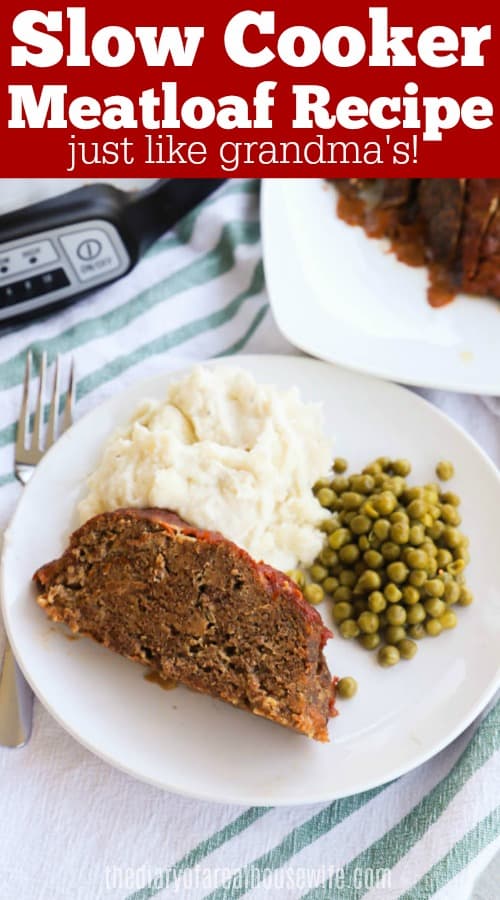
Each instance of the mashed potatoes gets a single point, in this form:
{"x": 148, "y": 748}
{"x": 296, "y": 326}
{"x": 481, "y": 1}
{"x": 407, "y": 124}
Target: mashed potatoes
{"x": 226, "y": 454}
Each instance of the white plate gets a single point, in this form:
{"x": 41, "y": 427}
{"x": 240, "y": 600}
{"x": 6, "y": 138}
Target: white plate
{"x": 197, "y": 746}
{"x": 341, "y": 296}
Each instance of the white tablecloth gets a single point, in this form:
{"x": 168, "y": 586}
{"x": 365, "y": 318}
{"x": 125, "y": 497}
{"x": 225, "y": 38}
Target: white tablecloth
{"x": 73, "y": 828}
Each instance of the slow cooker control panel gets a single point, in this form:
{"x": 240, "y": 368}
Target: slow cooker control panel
{"x": 56, "y": 264}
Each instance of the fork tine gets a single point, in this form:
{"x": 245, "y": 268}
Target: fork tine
{"x": 36, "y": 441}
{"x": 21, "y": 427}
{"x": 70, "y": 399}
{"x": 54, "y": 408}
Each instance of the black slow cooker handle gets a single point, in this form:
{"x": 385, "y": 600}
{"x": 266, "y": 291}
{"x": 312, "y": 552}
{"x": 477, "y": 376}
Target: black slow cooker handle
{"x": 151, "y": 212}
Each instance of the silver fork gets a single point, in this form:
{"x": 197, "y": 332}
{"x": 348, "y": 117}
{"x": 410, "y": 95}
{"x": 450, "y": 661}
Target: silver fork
{"x": 16, "y": 696}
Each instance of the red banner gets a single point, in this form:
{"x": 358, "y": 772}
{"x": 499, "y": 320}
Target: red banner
{"x": 278, "y": 89}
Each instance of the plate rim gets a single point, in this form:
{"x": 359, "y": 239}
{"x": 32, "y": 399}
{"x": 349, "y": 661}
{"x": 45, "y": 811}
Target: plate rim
{"x": 419, "y": 759}
{"x": 297, "y": 339}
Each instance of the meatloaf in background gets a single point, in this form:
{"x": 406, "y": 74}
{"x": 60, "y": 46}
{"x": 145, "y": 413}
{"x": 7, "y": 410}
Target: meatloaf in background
{"x": 194, "y": 607}
{"x": 456, "y": 220}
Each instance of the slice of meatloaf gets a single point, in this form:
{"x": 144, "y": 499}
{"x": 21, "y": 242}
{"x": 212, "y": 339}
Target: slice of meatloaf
{"x": 194, "y": 607}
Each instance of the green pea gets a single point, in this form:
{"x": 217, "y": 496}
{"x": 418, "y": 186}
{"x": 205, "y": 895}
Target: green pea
{"x": 445, "y": 470}
{"x": 297, "y": 576}
{"x": 417, "y": 577}
{"x": 328, "y": 525}
{"x": 450, "y": 497}
{"x": 417, "y": 509}
{"x": 339, "y": 538}
{"x": 451, "y": 537}
{"x": 416, "y": 614}
{"x": 373, "y": 468}
{"x": 413, "y": 493}
{"x": 401, "y": 467}
{"x": 400, "y": 533}
{"x": 449, "y": 619}
{"x": 397, "y": 572}
{"x": 396, "y": 614}
{"x": 347, "y": 578}
{"x": 349, "y": 629}
{"x": 318, "y": 573}
{"x": 381, "y": 529}
{"x": 407, "y": 648}
{"x": 342, "y": 594}
{"x": 369, "y": 581}
{"x": 455, "y": 567}
{"x": 340, "y": 484}
{"x": 394, "y": 633}
{"x": 385, "y": 503}
{"x": 351, "y": 500}
{"x": 369, "y": 641}
{"x": 330, "y": 584}
{"x": 466, "y": 597}
{"x": 434, "y": 511}
{"x": 417, "y": 535}
{"x": 435, "y": 531}
{"x": 443, "y": 557}
{"x": 450, "y": 514}
{"x": 431, "y": 567}
{"x": 328, "y": 557}
{"x": 434, "y": 587}
{"x": 430, "y": 549}
{"x": 397, "y": 485}
{"x": 417, "y": 631}
{"x": 321, "y": 483}
{"x": 364, "y": 543}
{"x": 433, "y": 627}
{"x": 377, "y": 602}
{"x": 368, "y": 622}
{"x": 362, "y": 484}
{"x": 388, "y": 655}
{"x": 349, "y": 554}
{"x": 360, "y": 524}
{"x": 435, "y": 607}
{"x": 326, "y": 497}
{"x": 451, "y": 592}
{"x": 314, "y": 593}
{"x": 431, "y": 494}
{"x": 398, "y": 517}
{"x": 390, "y": 551}
{"x": 411, "y": 595}
{"x": 392, "y": 593}
{"x": 342, "y": 610}
{"x": 347, "y": 688}
{"x": 339, "y": 465}
{"x": 416, "y": 559}
{"x": 373, "y": 559}
{"x": 369, "y": 509}
{"x": 461, "y": 552}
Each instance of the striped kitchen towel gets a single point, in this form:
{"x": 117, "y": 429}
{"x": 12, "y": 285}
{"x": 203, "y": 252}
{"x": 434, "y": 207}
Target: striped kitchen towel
{"x": 71, "y": 827}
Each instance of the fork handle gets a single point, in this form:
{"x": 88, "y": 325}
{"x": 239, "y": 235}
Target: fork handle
{"x": 16, "y": 703}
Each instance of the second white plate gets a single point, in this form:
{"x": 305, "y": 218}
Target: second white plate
{"x": 342, "y": 297}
